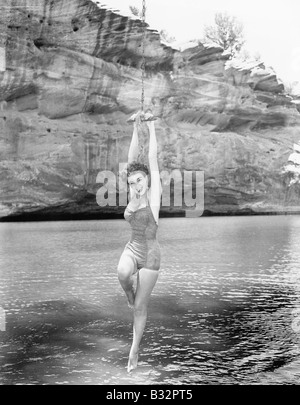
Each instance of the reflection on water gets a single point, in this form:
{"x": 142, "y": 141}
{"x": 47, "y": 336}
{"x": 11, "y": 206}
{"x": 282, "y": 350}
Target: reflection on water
{"x": 226, "y": 309}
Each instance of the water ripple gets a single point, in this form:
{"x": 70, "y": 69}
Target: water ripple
{"x": 225, "y": 309}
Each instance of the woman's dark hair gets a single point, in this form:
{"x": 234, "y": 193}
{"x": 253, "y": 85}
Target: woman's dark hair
{"x": 137, "y": 167}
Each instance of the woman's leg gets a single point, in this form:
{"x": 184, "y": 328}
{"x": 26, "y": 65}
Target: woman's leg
{"x": 126, "y": 269}
{"x": 145, "y": 284}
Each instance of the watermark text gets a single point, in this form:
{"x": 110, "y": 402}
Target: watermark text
{"x": 182, "y": 189}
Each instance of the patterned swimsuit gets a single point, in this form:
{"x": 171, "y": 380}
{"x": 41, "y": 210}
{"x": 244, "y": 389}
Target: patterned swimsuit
{"x": 143, "y": 243}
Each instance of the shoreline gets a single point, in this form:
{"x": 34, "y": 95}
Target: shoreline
{"x": 102, "y": 216}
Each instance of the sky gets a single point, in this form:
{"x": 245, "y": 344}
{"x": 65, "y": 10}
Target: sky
{"x": 271, "y": 27}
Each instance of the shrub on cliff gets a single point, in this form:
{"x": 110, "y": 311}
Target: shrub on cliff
{"x": 226, "y": 32}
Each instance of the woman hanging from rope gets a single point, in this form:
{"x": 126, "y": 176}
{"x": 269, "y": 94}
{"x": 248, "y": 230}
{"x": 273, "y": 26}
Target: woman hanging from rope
{"x": 141, "y": 255}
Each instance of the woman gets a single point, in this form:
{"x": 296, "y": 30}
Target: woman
{"x": 141, "y": 255}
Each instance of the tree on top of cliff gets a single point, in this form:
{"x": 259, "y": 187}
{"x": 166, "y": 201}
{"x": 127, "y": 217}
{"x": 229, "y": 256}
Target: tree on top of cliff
{"x": 136, "y": 12}
{"x": 292, "y": 88}
{"x": 227, "y": 32}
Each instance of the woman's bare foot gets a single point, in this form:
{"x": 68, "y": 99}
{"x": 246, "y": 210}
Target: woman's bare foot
{"x": 133, "y": 361}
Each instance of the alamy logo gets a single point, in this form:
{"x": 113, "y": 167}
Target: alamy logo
{"x": 2, "y": 320}
{"x": 188, "y": 190}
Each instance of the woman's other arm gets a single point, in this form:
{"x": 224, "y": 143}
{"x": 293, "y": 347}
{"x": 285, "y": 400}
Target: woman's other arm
{"x": 134, "y": 145}
{"x": 155, "y": 190}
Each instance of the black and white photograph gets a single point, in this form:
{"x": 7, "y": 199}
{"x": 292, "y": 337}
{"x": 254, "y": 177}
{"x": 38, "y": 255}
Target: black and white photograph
{"x": 149, "y": 195}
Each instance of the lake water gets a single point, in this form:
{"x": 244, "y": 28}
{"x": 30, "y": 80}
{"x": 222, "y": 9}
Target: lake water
{"x": 225, "y": 310}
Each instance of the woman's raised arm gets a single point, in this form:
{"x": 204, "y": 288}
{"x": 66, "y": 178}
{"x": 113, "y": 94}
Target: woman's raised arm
{"x": 155, "y": 191}
{"x": 134, "y": 145}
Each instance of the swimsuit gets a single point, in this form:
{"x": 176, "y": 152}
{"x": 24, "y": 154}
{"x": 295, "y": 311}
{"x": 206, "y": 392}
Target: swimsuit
{"x": 143, "y": 243}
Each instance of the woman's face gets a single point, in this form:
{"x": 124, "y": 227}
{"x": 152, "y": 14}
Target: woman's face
{"x": 138, "y": 182}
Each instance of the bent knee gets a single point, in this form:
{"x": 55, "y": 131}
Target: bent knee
{"x": 124, "y": 272}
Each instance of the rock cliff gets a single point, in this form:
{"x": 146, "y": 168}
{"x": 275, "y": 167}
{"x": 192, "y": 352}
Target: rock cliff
{"x": 69, "y": 79}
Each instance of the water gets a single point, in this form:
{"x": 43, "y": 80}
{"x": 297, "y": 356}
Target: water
{"x": 226, "y": 309}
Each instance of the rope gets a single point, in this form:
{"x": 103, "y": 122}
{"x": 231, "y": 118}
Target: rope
{"x": 143, "y": 66}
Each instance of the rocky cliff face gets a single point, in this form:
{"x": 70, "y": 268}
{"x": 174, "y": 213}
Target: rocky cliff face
{"x": 71, "y": 77}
